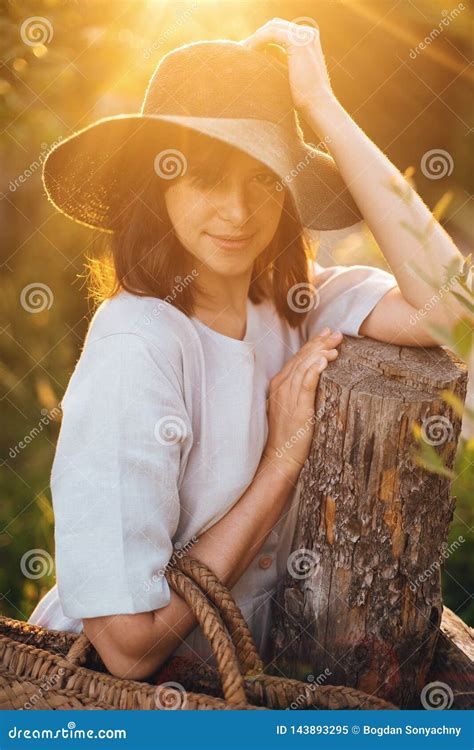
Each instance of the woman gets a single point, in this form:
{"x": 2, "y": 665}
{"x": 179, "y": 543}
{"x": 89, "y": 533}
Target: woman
{"x": 189, "y": 414}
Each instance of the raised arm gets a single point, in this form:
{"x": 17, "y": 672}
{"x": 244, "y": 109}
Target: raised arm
{"x": 403, "y": 226}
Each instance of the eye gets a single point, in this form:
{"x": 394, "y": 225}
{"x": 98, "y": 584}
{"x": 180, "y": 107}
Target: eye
{"x": 202, "y": 176}
{"x": 267, "y": 178}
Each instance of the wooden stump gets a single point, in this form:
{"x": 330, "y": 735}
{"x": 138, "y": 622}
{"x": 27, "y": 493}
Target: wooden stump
{"x": 453, "y": 666}
{"x": 361, "y": 604}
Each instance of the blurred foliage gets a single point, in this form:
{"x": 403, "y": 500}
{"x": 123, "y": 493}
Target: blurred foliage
{"x": 97, "y": 61}
{"x": 459, "y": 339}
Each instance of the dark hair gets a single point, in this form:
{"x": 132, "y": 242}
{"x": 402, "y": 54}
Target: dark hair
{"x": 145, "y": 257}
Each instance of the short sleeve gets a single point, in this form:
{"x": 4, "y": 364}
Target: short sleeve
{"x": 345, "y": 296}
{"x": 115, "y": 478}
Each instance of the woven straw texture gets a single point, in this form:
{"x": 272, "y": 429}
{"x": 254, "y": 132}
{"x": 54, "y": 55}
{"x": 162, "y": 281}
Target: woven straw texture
{"x": 48, "y": 669}
{"x": 222, "y": 90}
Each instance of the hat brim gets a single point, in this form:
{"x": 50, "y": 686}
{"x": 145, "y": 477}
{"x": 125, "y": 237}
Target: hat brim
{"x": 87, "y": 176}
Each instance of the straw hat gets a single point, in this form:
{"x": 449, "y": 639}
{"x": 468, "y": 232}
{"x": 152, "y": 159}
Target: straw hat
{"x": 219, "y": 88}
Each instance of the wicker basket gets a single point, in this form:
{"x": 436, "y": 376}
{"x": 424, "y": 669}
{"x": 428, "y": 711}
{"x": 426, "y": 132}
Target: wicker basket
{"x": 44, "y": 669}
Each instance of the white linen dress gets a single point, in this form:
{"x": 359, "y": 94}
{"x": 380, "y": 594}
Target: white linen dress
{"x": 164, "y": 424}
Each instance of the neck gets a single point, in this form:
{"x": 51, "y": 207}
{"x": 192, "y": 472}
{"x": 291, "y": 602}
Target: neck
{"x": 221, "y": 302}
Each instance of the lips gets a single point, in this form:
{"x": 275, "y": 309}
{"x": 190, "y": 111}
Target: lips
{"x": 234, "y": 243}
{"x": 231, "y": 238}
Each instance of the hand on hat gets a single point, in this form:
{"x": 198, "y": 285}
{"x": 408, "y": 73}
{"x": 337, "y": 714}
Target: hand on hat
{"x": 307, "y": 71}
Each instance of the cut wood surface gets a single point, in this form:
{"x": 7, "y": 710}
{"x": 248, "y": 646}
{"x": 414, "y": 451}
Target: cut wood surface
{"x": 361, "y": 604}
{"x": 453, "y": 665}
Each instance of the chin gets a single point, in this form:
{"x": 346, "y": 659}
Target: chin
{"x": 229, "y": 269}
{"x": 228, "y": 263}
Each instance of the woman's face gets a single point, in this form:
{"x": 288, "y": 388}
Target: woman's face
{"x": 239, "y": 200}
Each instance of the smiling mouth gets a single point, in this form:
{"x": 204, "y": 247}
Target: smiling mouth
{"x": 230, "y": 238}
{"x": 233, "y": 243}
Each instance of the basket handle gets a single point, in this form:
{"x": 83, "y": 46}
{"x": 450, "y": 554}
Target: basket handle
{"x": 80, "y": 650}
{"x": 249, "y": 659}
{"x": 277, "y": 692}
{"x": 215, "y": 631}
{"x": 212, "y": 627}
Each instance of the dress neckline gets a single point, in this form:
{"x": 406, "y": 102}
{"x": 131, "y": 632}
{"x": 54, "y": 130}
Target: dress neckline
{"x": 244, "y": 344}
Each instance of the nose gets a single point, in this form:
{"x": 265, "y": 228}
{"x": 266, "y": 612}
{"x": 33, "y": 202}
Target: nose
{"x": 232, "y": 201}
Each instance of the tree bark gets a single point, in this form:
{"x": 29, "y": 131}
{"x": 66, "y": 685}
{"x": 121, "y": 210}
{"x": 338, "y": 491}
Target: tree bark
{"x": 361, "y": 604}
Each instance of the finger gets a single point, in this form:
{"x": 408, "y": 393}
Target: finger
{"x": 314, "y": 355}
{"x": 330, "y": 354}
{"x": 324, "y": 334}
{"x": 320, "y": 341}
{"x": 304, "y": 385}
{"x": 303, "y": 364}
{"x": 319, "y": 344}
{"x": 288, "y": 390}
{"x": 272, "y": 32}
{"x": 286, "y": 34}
{"x": 299, "y": 373}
